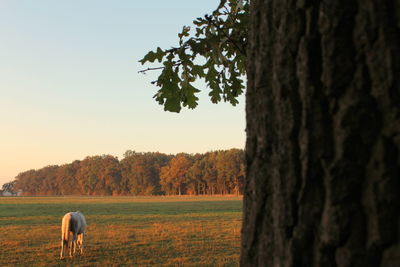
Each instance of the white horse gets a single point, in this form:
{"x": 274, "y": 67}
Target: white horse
{"x": 74, "y": 223}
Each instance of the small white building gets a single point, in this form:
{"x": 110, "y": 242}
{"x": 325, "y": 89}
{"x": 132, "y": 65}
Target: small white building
{"x": 5, "y": 193}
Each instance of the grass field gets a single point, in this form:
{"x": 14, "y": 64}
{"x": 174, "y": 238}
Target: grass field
{"x": 123, "y": 231}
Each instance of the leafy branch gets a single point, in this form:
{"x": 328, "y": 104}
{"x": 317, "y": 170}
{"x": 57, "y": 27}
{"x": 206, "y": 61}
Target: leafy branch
{"x": 219, "y": 43}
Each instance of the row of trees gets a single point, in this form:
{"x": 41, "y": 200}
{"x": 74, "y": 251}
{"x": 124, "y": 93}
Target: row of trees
{"x": 217, "y": 172}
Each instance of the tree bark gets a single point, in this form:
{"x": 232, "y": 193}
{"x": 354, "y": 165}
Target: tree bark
{"x": 323, "y": 134}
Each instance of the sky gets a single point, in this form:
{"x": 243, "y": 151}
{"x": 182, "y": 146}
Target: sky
{"x": 70, "y": 87}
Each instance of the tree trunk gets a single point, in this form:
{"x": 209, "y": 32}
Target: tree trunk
{"x": 323, "y": 134}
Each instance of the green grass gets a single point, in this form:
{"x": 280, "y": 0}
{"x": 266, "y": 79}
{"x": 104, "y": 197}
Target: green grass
{"x": 123, "y": 231}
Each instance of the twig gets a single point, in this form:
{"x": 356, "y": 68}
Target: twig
{"x": 159, "y": 68}
{"x": 143, "y": 71}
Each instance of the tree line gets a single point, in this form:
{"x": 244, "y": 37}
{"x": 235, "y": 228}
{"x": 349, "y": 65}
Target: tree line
{"x": 138, "y": 173}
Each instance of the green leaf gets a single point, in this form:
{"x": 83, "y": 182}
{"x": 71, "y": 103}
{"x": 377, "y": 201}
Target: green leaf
{"x": 198, "y": 70}
{"x": 215, "y": 95}
{"x": 173, "y": 104}
{"x": 149, "y": 57}
{"x": 160, "y": 54}
{"x": 188, "y": 95}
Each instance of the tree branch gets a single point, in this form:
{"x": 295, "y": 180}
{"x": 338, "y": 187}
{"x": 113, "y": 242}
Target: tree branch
{"x": 144, "y": 71}
{"x": 158, "y": 68}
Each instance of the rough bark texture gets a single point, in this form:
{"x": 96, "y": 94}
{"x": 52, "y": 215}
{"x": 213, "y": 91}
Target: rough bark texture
{"x": 323, "y": 134}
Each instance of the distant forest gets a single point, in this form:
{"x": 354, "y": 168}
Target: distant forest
{"x": 151, "y": 173}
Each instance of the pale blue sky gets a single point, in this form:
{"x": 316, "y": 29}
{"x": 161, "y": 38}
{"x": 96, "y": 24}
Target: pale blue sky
{"x": 69, "y": 86}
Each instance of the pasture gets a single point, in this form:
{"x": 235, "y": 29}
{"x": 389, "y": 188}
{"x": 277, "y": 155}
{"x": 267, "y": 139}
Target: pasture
{"x": 123, "y": 231}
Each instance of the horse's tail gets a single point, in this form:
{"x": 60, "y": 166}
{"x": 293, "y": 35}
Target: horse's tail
{"x": 65, "y": 227}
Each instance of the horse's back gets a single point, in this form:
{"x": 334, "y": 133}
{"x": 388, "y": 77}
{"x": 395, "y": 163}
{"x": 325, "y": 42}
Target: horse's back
{"x": 77, "y": 223}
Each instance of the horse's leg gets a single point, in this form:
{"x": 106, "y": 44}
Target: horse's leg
{"x": 62, "y": 249}
{"x": 80, "y": 243}
{"x": 70, "y": 247}
{"x": 64, "y": 246}
{"x": 73, "y": 245}
{"x": 82, "y": 236}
